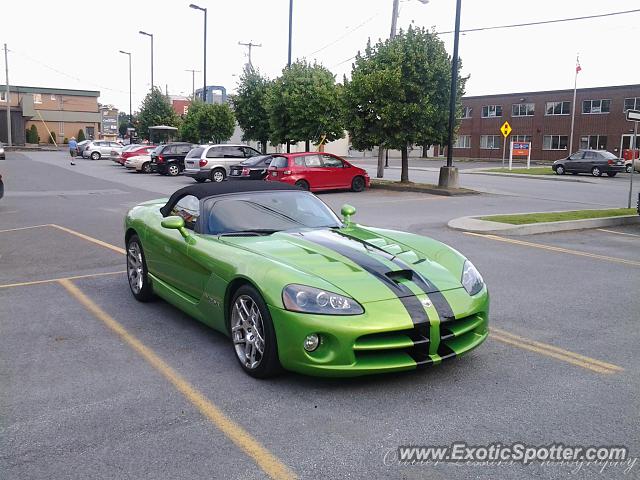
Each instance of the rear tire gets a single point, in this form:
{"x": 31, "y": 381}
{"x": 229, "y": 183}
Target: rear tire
{"x": 173, "y": 170}
{"x": 628, "y": 168}
{"x": 252, "y": 333}
{"x": 611, "y": 174}
{"x": 358, "y": 184}
{"x": 596, "y": 172}
{"x": 560, "y": 170}
{"x": 146, "y": 167}
{"x": 303, "y": 184}
{"x": 218, "y": 175}
{"x": 95, "y": 156}
{"x": 137, "y": 272}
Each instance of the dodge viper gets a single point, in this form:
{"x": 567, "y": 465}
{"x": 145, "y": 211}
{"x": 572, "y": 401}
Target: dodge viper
{"x": 296, "y": 287}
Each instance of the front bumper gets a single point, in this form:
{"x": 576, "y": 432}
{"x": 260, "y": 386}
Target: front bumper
{"x": 383, "y": 339}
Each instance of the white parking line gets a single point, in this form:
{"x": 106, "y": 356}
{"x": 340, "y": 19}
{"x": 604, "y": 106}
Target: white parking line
{"x": 618, "y": 233}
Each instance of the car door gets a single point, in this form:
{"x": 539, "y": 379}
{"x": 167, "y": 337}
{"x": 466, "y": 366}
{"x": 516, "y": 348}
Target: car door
{"x": 335, "y": 172}
{"x": 167, "y": 256}
{"x": 572, "y": 164}
{"x": 231, "y": 155}
{"x": 105, "y": 149}
{"x": 182, "y": 151}
{"x": 589, "y": 160}
{"x": 315, "y": 173}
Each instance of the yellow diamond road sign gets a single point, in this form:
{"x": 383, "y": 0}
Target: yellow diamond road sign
{"x": 505, "y": 129}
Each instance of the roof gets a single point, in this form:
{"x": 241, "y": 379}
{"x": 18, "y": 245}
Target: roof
{"x": 566, "y": 90}
{"x": 212, "y": 189}
{"x": 51, "y": 91}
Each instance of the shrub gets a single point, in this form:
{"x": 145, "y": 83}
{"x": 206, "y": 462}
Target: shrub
{"x": 32, "y": 135}
{"x": 65, "y": 141}
{"x": 81, "y": 137}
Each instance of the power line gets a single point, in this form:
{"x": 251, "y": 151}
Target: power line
{"x": 528, "y": 24}
{"x": 346, "y": 34}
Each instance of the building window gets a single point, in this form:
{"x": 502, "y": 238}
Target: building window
{"x": 3, "y": 96}
{"x": 53, "y": 97}
{"x": 593, "y": 142}
{"x": 520, "y": 138}
{"x": 490, "y": 142}
{"x": 632, "y": 103}
{"x": 555, "y": 142}
{"x": 462, "y": 141}
{"x": 466, "y": 112}
{"x": 523, "y": 109}
{"x": 61, "y": 129}
{"x": 37, "y": 98}
{"x": 558, "y": 108}
{"x": 596, "y": 106}
{"x": 489, "y": 111}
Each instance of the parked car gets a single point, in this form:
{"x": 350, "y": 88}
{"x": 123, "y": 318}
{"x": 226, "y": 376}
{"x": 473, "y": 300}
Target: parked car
{"x": 80, "y": 146}
{"x": 317, "y": 171}
{"x": 101, "y": 148}
{"x": 168, "y": 159}
{"x": 595, "y": 162}
{"x": 254, "y": 168}
{"x": 2, "y": 154}
{"x": 636, "y": 166}
{"x": 212, "y": 162}
{"x": 1, "y": 187}
{"x": 139, "y": 163}
{"x": 133, "y": 151}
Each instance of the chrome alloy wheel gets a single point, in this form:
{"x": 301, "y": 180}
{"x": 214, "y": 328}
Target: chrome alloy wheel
{"x": 135, "y": 271}
{"x": 247, "y": 331}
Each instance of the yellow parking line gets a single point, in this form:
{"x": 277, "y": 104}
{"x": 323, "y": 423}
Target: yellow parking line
{"x": 618, "y": 233}
{"x": 556, "y": 249}
{"x": 271, "y": 465}
{"x": 552, "y": 351}
{"x": 23, "y": 228}
{"x": 52, "y": 280}
{"x": 89, "y": 239}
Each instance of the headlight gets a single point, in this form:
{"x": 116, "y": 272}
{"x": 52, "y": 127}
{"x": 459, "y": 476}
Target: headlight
{"x": 471, "y": 278}
{"x": 300, "y": 298}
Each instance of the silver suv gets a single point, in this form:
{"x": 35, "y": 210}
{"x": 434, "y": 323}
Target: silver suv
{"x": 212, "y": 162}
{"x": 101, "y": 148}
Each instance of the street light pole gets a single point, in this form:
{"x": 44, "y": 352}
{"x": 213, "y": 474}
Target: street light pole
{"x": 130, "y": 108}
{"x": 8, "y": 93}
{"x": 204, "y": 68}
{"x": 449, "y": 174}
{"x": 151, "y": 36}
{"x": 290, "y": 31}
{"x": 193, "y": 81}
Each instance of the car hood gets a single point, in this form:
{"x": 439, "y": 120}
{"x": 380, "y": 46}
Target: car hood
{"x": 363, "y": 269}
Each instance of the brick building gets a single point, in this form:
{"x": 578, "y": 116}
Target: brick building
{"x": 58, "y": 110}
{"x": 544, "y": 118}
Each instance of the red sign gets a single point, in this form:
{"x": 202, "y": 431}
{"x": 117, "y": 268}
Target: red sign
{"x": 520, "y": 149}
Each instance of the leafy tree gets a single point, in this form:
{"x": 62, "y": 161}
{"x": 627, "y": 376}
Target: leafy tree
{"x": 205, "y": 122}
{"x": 398, "y": 94}
{"x": 249, "y": 105}
{"x": 80, "y": 137}
{"x": 304, "y": 104}
{"x": 156, "y": 110}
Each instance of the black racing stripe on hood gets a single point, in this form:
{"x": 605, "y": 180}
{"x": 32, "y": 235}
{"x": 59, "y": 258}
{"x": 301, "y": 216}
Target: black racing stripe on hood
{"x": 411, "y": 303}
{"x": 440, "y": 303}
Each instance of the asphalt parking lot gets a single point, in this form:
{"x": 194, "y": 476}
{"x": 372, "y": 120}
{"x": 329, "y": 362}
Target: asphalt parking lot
{"x": 97, "y": 385}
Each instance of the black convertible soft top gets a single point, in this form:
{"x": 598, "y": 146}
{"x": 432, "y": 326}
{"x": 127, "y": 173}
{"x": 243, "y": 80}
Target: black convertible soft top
{"x": 211, "y": 189}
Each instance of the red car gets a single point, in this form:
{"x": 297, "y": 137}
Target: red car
{"x": 317, "y": 171}
{"x": 133, "y": 152}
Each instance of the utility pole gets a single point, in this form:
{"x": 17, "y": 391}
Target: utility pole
{"x": 249, "y": 46}
{"x": 573, "y": 105}
{"x": 289, "y": 54}
{"x": 193, "y": 81}
{"x": 204, "y": 67}
{"x": 150, "y": 35}
{"x": 130, "y": 108}
{"x": 6, "y": 70}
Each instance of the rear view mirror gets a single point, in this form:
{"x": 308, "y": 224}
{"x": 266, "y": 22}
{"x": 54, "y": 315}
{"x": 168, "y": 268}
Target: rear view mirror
{"x": 175, "y": 223}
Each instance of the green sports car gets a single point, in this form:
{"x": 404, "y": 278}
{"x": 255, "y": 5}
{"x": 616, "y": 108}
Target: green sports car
{"x": 295, "y": 287}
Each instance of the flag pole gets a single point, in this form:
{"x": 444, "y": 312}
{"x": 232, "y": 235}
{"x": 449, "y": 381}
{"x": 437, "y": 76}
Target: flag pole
{"x": 573, "y": 107}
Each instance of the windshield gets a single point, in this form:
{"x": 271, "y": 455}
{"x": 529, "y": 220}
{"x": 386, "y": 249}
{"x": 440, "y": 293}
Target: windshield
{"x": 266, "y": 212}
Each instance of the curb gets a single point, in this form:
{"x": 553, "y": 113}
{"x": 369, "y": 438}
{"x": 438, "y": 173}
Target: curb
{"x": 475, "y": 225}
{"x": 421, "y": 188}
{"x": 553, "y": 178}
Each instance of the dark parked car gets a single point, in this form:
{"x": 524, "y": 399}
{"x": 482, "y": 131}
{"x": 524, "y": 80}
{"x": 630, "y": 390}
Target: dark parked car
{"x": 595, "y": 162}
{"x": 169, "y": 159}
{"x": 254, "y": 168}
{"x": 1, "y": 187}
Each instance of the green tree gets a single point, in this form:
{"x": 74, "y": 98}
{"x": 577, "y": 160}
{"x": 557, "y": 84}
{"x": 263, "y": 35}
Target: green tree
{"x": 156, "y": 109}
{"x": 398, "y": 94}
{"x": 250, "y": 107}
{"x": 304, "y": 104}
{"x": 80, "y": 137}
{"x": 205, "y": 122}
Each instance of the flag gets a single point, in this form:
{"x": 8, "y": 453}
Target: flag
{"x": 578, "y": 67}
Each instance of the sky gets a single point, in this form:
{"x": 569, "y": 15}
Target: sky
{"x": 74, "y": 44}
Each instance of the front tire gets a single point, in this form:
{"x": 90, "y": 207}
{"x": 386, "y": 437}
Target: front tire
{"x": 252, "y": 333}
{"x": 95, "y": 156}
{"x": 200, "y": 180}
{"x": 628, "y": 168}
{"x": 596, "y": 172}
{"x": 358, "y": 184}
{"x": 560, "y": 170}
{"x": 137, "y": 272}
{"x": 146, "y": 167}
{"x": 218, "y": 175}
{"x": 173, "y": 170}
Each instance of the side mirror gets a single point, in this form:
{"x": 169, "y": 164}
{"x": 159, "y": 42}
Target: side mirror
{"x": 175, "y": 223}
{"x": 347, "y": 212}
